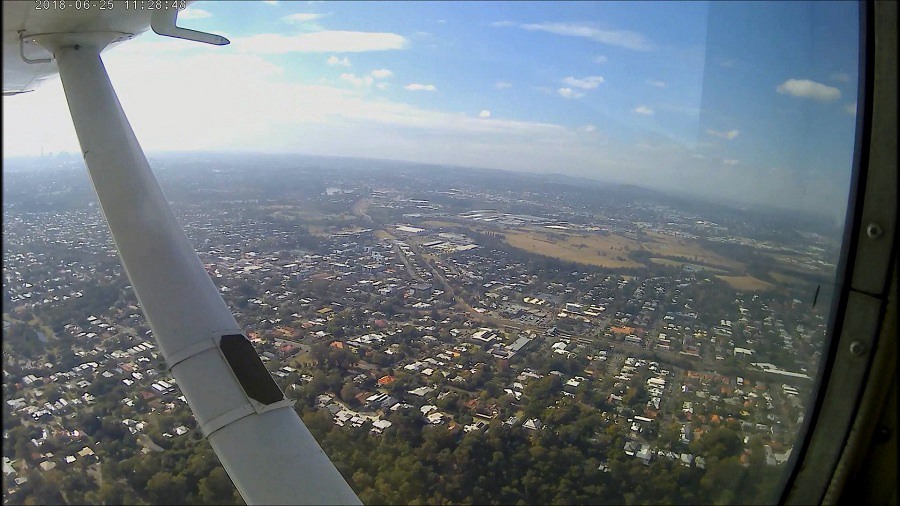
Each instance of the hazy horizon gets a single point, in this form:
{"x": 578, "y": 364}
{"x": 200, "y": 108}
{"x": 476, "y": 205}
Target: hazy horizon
{"x": 572, "y": 180}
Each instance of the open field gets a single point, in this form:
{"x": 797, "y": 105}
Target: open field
{"x": 612, "y": 250}
{"x": 786, "y": 279}
{"x": 288, "y": 213}
{"x": 801, "y": 265}
{"x": 676, "y": 263}
{"x": 669, "y": 246}
{"x": 604, "y": 251}
{"x": 382, "y": 234}
{"x": 316, "y": 223}
{"x": 747, "y": 283}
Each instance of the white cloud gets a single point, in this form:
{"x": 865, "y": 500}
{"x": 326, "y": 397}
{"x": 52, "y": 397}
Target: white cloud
{"x": 502, "y": 85}
{"x": 270, "y": 2}
{"x": 302, "y": 17}
{"x": 850, "y": 108}
{"x": 383, "y": 86}
{"x": 503, "y": 23}
{"x": 334, "y": 60}
{"x": 619, "y": 38}
{"x": 366, "y": 80}
{"x": 841, "y": 77}
{"x": 658, "y": 84}
{"x": 320, "y": 42}
{"x": 53, "y": 133}
{"x": 644, "y": 110}
{"x": 680, "y": 108}
{"x": 589, "y": 128}
{"x": 601, "y": 59}
{"x": 194, "y": 13}
{"x": 730, "y": 135}
{"x": 730, "y": 162}
{"x": 420, "y": 87}
{"x": 359, "y": 82}
{"x": 277, "y": 114}
{"x": 484, "y": 114}
{"x": 804, "y": 88}
{"x": 569, "y": 93}
{"x": 588, "y": 83}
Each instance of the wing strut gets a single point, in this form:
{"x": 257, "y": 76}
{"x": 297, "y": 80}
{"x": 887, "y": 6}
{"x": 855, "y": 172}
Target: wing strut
{"x": 269, "y": 454}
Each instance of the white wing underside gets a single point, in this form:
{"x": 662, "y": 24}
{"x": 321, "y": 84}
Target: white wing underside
{"x": 22, "y": 18}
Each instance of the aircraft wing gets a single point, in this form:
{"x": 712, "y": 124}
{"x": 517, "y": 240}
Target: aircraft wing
{"x": 266, "y": 449}
{"x": 26, "y": 64}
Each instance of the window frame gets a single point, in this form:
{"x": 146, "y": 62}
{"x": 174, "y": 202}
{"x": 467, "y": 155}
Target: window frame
{"x": 859, "y": 366}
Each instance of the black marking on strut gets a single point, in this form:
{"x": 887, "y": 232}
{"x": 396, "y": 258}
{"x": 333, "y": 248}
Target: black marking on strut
{"x": 249, "y": 369}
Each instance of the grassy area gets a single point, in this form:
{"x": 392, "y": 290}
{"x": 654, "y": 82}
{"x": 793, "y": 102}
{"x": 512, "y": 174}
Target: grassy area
{"x": 604, "y": 251}
{"x": 613, "y": 250}
{"x": 676, "y": 263}
{"x": 747, "y": 283}
{"x": 786, "y": 279}
{"x": 301, "y": 359}
{"x": 668, "y": 246}
{"x": 37, "y": 324}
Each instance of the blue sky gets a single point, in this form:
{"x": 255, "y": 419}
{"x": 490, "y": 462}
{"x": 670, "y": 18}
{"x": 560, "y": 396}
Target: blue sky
{"x": 753, "y": 102}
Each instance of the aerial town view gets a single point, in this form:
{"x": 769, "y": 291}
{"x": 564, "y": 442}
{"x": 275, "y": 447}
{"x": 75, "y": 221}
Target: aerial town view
{"x": 450, "y": 335}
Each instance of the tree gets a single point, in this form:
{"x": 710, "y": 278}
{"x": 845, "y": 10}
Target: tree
{"x": 349, "y": 392}
{"x": 163, "y": 488}
{"x": 216, "y": 487}
{"x": 720, "y": 442}
{"x": 23, "y": 448}
{"x": 721, "y": 480}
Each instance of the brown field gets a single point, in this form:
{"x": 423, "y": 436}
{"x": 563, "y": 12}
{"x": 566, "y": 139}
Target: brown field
{"x": 382, "y": 234}
{"x": 664, "y": 261}
{"x": 747, "y": 283}
{"x": 669, "y": 246}
{"x": 676, "y": 263}
{"x": 786, "y": 279}
{"x": 604, "y": 251}
{"x": 797, "y": 264}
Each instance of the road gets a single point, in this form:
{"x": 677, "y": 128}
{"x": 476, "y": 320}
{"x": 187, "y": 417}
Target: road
{"x": 409, "y": 268}
{"x": 462, "y": 305}
{"x": 360, "y": 208}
